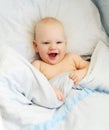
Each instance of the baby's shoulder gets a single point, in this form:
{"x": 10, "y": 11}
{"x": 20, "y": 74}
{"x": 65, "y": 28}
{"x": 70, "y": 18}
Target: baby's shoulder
{"x": 36, "y": 63}
{"x": 71, "y": 55}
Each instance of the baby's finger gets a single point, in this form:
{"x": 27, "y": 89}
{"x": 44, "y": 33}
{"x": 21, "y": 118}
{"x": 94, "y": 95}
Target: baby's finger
{"x": 72, "y": 76}
{"x": 76, "y": 80}
{"x": 60, "y": 97}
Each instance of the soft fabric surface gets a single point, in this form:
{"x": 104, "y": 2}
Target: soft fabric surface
{"x": 20, "y": 76}
{"x": 97, "y": 77}
{"x": 28, "y": 102}
{"x": 63, "y": 82}
{"x": 80, "y": 18}
{"x": 103, "y": 6}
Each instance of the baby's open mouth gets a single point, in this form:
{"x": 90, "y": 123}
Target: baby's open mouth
{"x": 53, "y": 54}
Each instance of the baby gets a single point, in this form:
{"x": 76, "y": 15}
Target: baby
{"x": 51, "y": 43}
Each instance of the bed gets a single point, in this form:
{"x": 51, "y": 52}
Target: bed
{"x": 27, "y": 101}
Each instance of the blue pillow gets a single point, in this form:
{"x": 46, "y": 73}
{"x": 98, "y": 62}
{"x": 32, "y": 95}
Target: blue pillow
{"x": 103, "y": 6}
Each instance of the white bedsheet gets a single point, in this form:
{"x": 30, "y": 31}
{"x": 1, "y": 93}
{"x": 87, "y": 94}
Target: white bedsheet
{"x": 27, "y": 101}
{"x": 98, "y": 73}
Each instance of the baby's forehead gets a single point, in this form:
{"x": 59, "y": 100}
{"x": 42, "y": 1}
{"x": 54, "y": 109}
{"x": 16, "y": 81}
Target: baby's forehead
{"x": 48, "y": 21}
{"x": 49, "y": 27}
{"x": 51, "y": 24}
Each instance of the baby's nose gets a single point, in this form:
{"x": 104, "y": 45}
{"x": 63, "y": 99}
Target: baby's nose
{"x": 53, "y": 46}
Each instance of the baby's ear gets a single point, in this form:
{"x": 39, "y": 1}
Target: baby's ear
{"x": 35, "y": 45}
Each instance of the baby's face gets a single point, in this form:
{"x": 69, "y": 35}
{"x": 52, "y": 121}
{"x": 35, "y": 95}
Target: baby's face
{"x": 51, "y": 43}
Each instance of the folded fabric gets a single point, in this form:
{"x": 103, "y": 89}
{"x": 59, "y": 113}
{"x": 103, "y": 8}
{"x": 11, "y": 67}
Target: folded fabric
{"x": 19, "y": 76}
{"x": 98, "y": 73}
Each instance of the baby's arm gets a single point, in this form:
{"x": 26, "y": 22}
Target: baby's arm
{"x": 78, "y": 75}
{"x": 81, "y": 69}
{"x": 36, "y": 64}
{"x": 58, "y": 93}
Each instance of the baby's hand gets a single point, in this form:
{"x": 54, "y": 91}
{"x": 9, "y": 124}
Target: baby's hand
{"x": 77, "y": 75}
{"x": 58, "y": 94}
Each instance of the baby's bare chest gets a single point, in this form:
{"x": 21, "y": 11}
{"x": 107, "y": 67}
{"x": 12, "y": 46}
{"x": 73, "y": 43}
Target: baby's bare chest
{"x": 51, "y": 71}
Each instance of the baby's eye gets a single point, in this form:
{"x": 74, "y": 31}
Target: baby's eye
{"x": 59, "y": 42}
{"x": 46, "y": 42}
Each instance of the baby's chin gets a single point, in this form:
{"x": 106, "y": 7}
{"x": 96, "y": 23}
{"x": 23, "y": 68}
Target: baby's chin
{"x": 53, "y": 62}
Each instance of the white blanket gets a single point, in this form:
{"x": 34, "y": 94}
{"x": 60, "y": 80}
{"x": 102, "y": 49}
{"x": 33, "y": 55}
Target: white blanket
{"x": 20, "y": 76}
{"x": 28, "y": 102}
{"x": 23, "y": 89}
{"x": 98, "y": 73}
